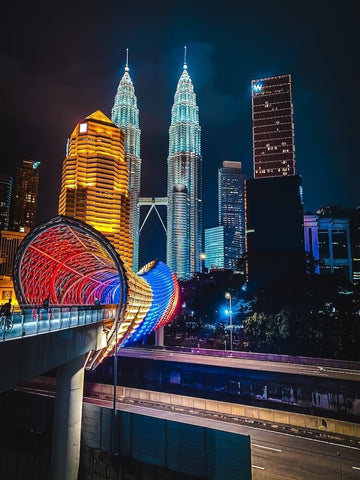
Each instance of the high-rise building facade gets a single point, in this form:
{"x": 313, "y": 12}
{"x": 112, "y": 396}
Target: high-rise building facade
{"x": 214, "y": 248}
{"x": 355, "y": 244}
{"x": 6, "y": 186}
{"x": 184, "y": 184}
{"x": 231, "y": 196}
{"x": 273, "y": 127}
{"x": 327, "y": 239}
{"x": 94, "y": 186}
{"x": 25, "y": 195}
{"x": 9, "y": 243}
{"x": 125, "y": 114}
{"x": 332, "y": 235}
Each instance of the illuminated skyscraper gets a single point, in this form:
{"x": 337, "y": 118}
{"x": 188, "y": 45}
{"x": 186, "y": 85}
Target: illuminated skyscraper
{"x": 125, "y": 115}
{"x": 214, "y": 247}
{"x": 273, "y": 127}
{"x": 94, "y": 186}
{"x": 25, "y": 195}
{"x": 184, "y": 186}
{"x": 231, "y": 185}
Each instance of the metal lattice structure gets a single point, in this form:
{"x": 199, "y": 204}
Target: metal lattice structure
{"x": 68, "y": 262}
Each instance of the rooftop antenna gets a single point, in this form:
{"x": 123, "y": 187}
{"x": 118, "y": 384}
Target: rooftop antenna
{"x": 185, "y": 66}
{"x": 127, "y": 60}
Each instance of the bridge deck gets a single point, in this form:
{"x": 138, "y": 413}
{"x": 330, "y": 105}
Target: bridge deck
{"x": 34, "y": 320}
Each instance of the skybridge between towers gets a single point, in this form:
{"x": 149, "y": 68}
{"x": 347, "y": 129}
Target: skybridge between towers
{"x": 79, "y": 303}
{"x": 153, "y": 203}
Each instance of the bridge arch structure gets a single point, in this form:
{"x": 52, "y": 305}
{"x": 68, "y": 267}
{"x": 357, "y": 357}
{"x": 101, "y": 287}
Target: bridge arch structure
{"x": 68, "y": 262}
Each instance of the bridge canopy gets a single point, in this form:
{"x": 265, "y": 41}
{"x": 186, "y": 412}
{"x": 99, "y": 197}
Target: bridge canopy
{"x": 68, "y": 262}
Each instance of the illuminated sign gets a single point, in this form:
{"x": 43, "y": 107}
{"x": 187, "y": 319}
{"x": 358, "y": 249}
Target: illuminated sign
{"x": 257, "y": 87}
{"x": 83, "y": 128}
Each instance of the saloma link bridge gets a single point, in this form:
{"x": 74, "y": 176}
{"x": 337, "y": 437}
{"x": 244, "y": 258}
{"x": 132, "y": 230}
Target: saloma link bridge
{"x": 94, "y": 304}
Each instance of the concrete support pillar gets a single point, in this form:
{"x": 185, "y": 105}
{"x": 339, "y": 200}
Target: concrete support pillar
{"x": 65, "y": 454}
{"x": 159, "y": 337}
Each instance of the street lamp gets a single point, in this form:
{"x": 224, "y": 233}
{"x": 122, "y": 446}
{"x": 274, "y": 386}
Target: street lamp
{"x": 341, "y": 469}
{"x": 228, "y": 296}
{"x": 202, "y": 259}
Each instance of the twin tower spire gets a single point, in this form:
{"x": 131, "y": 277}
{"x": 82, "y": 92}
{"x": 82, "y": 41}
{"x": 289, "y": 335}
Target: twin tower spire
{"x": 184, "y": 186}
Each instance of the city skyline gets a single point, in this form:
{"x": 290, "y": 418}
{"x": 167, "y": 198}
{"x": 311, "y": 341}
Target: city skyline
{"x": 50, "y": 86}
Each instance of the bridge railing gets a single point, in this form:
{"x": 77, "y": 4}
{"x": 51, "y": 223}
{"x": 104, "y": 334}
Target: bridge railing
{"x": 35, "y": 320}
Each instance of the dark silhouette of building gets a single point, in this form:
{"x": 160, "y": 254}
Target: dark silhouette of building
{"x": 25, "y": 195}
{"x": 274, "y": 235}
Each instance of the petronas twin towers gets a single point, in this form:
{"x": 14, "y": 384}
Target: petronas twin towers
{"x": 184, "y": 180}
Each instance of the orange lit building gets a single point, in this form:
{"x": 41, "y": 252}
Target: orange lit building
{"x": 94, "y": 186}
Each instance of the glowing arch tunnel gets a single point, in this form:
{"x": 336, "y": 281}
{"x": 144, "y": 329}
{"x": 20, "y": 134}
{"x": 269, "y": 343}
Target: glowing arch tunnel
{"x": 71, "y": 263}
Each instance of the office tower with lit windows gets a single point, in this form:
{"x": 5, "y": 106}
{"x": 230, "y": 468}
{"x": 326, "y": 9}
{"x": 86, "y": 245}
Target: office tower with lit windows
{"x": 214, "y": 248}
{"x": 25, "y": 195}
{"x": 9, "y": 243}
{"x": 273, "y": 127}
{"x": 94, "y": 185}
{"x": 6, "y": 186}
{"x": 231, "y": 197}
{"x": 125, "y": 114}
{"x": 184, "y": 187}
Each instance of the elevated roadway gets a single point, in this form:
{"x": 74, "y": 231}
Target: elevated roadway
{"x": 316, "y": 367}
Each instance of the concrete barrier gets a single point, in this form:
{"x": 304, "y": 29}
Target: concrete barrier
{"x": 222, "y": 408}
{"x": 256, "y": 413}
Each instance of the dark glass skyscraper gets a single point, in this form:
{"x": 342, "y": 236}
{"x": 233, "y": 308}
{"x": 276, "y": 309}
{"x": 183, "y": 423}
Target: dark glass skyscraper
{"x": 125, "y": 115}
{"x": 184, "y": 189}
{"x": 231, "y": 186}
{"x": 273, "y": 127}
{"x": 275, "y": 232}
{"x": 25, "y": 194}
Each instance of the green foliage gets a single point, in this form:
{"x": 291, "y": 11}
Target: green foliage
{"x": 325, "y": 323}
{"x": 267, "y": 332}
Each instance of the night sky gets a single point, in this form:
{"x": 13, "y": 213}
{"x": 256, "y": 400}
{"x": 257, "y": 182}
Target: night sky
{"x": 62, "y": 61}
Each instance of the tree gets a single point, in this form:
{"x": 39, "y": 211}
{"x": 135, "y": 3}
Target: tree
{"x": 267, "y": 332}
